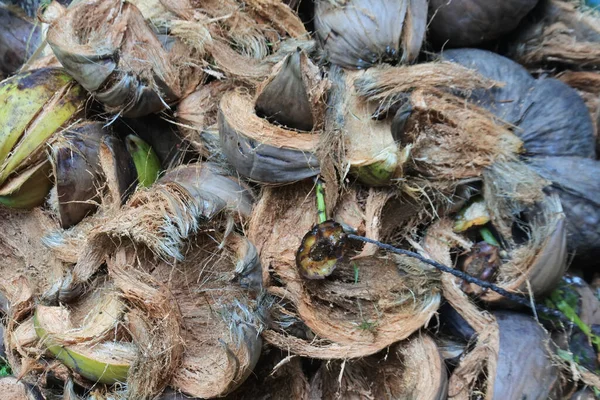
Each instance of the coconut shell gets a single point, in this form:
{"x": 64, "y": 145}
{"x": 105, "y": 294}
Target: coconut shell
{"x": 471, "y": 22}
{"x": 19, "y": 39}
{"x": 558, "y": 32}
{"x": 351, "y": 317}
{"x": 574, "y": 179}
{"x": 356, "y": 34}
{"x": 562, "y": 127}
{"x": 261, "y": 151}
{"x": 111, "y": 51}
{"x": 408, "y": 370}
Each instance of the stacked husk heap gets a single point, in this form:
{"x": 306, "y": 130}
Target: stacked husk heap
{"x": 185, "y": 185}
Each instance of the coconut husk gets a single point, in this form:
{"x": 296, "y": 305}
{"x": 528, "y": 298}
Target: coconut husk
{"x": 587, "y": 85}
{"x": 573, "y": 180}
{"x": 275, "y": 377}
{"x": 261, "y": 151}
{"x": 558, "y": 32}
{"x": 356, "y": 34}
{"x": 231, "y": 37}
{"x": 75, "y": 156}
{"x": 12, "y": 388}
{"x": 220, "y": 323}
{"x": 560, "y": 128}
{"x": 469, "y": 23}
{"x": 19, "y": 39}
{"x": 197, "y": 113}
{"x": 410, "y": 369}
{"x": 350, "y": 316}
{"x": 111, "y": 51}
{"x": 160, "y": 219}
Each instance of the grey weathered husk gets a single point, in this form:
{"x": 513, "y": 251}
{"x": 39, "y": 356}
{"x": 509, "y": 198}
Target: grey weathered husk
{"x": 111, "y": 51}
{"x": 288, "y": 97}
{"x": 75, "y": 157}
{"x": 19, "y": 38}
{"x": 532, "y": 377}
{"x": 576, "y": 182}
{"x": 561, "y": 127}
{"x": 412, "y": 369}
{"x": 356, "y": 34}
{"x": 558, "y": 32}
{"x": 261, "y": 151}
{"x": 471, "y": 22}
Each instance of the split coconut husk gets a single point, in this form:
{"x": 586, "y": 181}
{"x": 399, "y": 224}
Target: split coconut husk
{"x": 357, "y": 34}
{"x": 111, "y": 51}
{"x": 408, "y": 370}
{"x": 269, "y": 152}
{"x": 396, "y": 133}
{"x": 471, "y": 22}
{"x": 229, "y": 37}
{"x": 550, "y": 133}
{"x": 364, "y": 306}
{"x": 501, "y": 338}
{"x": 19, "y": 39}
{"x": 558, "y": 32}
{"x": 161, "y": 218}
{"x": 562, "y": 127}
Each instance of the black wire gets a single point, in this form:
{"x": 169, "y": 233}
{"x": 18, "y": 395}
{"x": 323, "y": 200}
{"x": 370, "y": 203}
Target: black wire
{"x": 466, "y": 277}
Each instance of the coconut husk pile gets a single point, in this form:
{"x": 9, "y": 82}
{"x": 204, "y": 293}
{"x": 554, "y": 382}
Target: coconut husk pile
{"x": 184, "y": 216}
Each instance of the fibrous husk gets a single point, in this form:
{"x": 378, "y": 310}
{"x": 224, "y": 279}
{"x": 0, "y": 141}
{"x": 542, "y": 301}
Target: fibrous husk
{"x": 443, "y": 140}
{"x": 230, "y": 37}
{"x": 14, "y": 389}
{"x": 356, "y": 34}
{"x": 20, "y": 37}
{"x": 276, "y": 377}
{"x": 161, "y": 218}
{"x": 261, "y": 151}
{"x": 502, "y": 338}
{"x": 562, "y": 127}
{"x": 408, "y": 370}
{"x": 364, "y": 306}
{"x": 111, "y": 51}
{"x": 471, "y": 22}
{"x": 587, "y": 84}
{"x": 220, "y": 322}
{"x": 558, "y": 32}
{"x": 573, "y": 178}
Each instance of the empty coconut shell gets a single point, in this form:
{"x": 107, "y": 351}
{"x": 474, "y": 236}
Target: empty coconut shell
{"x": 471, "y": 22}
{"x": 356, "y": 34}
